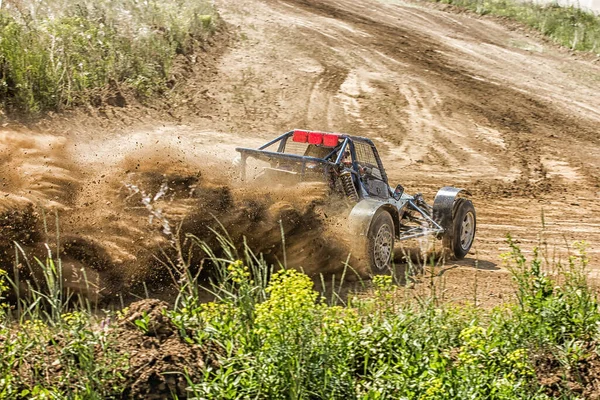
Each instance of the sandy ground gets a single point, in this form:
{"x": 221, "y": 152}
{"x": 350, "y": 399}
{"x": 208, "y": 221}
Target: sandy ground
{"x": 449, "y": 98}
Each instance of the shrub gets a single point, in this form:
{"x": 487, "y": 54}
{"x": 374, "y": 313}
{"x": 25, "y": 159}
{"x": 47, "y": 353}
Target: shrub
{"x": 550, "y": 310}
{"x": 295, "y": 346}
{"x": 276, "y": 338}
{"x": 74, "y": 359}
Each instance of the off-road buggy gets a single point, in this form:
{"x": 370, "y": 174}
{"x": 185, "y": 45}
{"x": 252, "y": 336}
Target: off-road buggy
{"x": 380, "y": 214}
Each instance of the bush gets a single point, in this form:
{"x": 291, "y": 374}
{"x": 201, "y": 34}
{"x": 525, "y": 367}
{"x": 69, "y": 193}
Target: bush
{"x": 296, "y": 346}
{"x": 550, "y": 311}
{"x": 74, "y": 359}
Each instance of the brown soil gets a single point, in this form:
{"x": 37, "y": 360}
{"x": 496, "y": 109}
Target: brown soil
{"x": 122, "y": 223}
{"x": 160, "y": 361}
{"x": 580, "y": 380}
{"x": 449, "y": 98}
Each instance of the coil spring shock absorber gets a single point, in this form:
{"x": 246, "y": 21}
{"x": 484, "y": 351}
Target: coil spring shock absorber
{"x": 348, "y": 185}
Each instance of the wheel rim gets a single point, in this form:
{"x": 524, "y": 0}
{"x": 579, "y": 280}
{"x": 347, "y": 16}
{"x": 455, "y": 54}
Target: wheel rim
{"x": 467, "y": 231}
{"x": 383, "y": 247}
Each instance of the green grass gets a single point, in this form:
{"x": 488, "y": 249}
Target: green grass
{"x": 569, "y": 26}
{"x": 274, "y": 337}
{"x": 57, "y": 54}
{"x": 293, "y": 344}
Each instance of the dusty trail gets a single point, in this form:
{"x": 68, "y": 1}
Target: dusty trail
{"x": 450, "y": 99}
{"x": 461, "y": 102}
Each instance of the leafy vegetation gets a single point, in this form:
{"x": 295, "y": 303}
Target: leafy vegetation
{"x": 274, "y": 337}
{"x": 55, "y": 54}
{"x": 66, "y": 358}
{"x": 294, "y": 345}
{"x": 3, "y": 290}
{"x": 569, "y": 26}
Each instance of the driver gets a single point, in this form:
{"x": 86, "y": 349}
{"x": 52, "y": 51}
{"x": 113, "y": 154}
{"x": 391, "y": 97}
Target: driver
{"x": 347, "y": 162}
{"x": 347, "y": 159}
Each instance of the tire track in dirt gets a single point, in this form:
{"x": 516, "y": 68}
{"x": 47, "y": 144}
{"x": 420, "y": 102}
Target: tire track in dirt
{"x": 321, "y": 101}
{"x": 523, "y": 122}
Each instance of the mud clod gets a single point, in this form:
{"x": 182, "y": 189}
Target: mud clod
{"x": 581, "y": 379}
{"x": 153, "y": 311}
{"x": 160, "y": 361}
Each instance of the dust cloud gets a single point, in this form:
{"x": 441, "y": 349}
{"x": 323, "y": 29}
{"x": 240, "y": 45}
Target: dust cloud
{"x": 112, "y": 210}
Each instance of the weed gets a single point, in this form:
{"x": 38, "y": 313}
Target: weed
{"x": 54, "y": 348}
{"x": 374, "y": 348}
{"x": 3, "y": 290}
{"x": 69, "y": 358}
{"x": 549, "y": 310}
{"x": 143, "y": 322}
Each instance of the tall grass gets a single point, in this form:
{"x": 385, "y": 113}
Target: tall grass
{"x": 569, "y": 26}
{"x": 285, "y": 341}
{"x": 55, "y": 54}
{"x": 52, "y": 345}
{"x": 275, "y": 337}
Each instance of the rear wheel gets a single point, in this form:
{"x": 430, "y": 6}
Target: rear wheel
{"x": 380, "y": 244}
{"x": 464, "y": 223}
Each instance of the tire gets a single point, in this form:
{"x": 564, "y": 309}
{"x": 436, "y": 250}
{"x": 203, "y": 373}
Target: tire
{"x": 464, "y": 224}
{"x": 380, "y": 242}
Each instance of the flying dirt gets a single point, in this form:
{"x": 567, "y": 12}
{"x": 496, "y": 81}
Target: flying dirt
{"x": 115, "y": 223}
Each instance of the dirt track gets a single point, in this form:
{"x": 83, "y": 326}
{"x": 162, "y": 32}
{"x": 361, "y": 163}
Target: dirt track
{"x": 450, "y": 99}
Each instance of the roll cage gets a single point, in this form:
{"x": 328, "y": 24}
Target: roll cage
{"x": 355, "y": 154}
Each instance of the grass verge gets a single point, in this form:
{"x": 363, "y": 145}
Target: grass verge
{"x": 568, "y": 26}
{"x": 56, "y": 54}
{"x": 269, "y": 335}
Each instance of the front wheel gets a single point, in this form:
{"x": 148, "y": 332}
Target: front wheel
{"x": 380, "y": 242}
{"x": 464, "y": 223}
